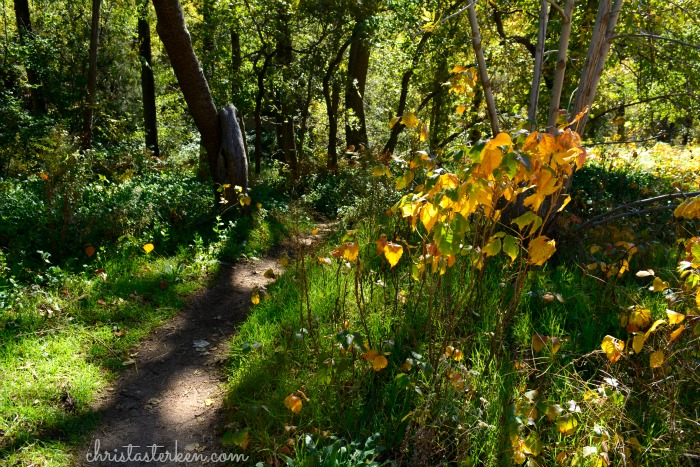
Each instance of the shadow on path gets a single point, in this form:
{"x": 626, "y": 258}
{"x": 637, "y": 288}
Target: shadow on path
{"x": 171, "y": 396}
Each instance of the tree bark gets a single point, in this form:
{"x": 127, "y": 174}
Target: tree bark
{"x": 483, "y": 72}
{"x": 358, "y": 64}
{"x": 92, "y": 75}
{"x": 232, "y": 162}
{"x": 403, "y": 97}
{"x": 560, "y": 72}
{"x": 608, "y": 13}
{"x": 331, "y": 94}
{"x": 24, "y": 28}
{"x": 178, "y": 44}
{"x": 147, "y": 83}
{"x": 537, "y": 74}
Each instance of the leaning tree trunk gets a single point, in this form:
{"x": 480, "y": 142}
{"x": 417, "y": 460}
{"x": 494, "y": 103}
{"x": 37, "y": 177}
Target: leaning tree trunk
{"x": 178, "y": 44}
{"x": 227, "y": 158}
{"x": 539, "y": 58}
{"x": 483, "y": 72}
{"x": 608, "y": 13}
{"x": 147, "y": 84}
{"x": 358, "y": 64}
{"x": 258, "y": 109}
{"x": 92, "y": 76}
{"x": 24, "y": 28}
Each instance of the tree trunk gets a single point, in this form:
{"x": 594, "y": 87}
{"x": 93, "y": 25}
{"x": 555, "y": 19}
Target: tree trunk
{"x": 232, "y": 162}
{"x": 331, "y": 94}
{"x": 560, "y": 72}
{"x": 608, "y": 13}
{"x": 147, "y": 84}
{"x": 236, "y": 62}
{"x": 358, "y": 64}
{"x": 258, "y": 109}
{"x": 92, "y": 76}
{"x": 483, "y": 72}
{"x": 208, "y": 40}
{"x": 405, "y": 81}
{"x": 539, "y": 58}
{"x": 24, "y": 28}
{"x": 178, "y": 44}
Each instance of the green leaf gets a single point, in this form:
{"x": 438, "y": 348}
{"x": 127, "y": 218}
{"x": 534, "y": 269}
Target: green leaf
{"x": 493, "y": 248}
{"x": 510, "y": 247}
{"x": 526, "y": 219}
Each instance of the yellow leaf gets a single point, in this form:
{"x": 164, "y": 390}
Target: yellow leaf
{"x": 393, "y": 122}
{"x": 370, "y": 355}
{"x": 392, "y": 253}
{"x": 612, "y": 347}
{"x": 556, "y": 344}
{"x": 638, "y": 318}
{"x": 293, "y": 403}
{"x": 449, "y": 350}
{"x": 656, "y": 359}
{"x": 461, "y": 109}
{"x": 424, "y": 132}
{"x": 381, "y": 243}
{"x": 429, "y": 216}
{"x": 502, "y": 139}
{"x": 638, "y": 342}
{"x": 379, "y": 362}
{"x": 458, "y": 355}
{"x": 314, "y": 232}
{"x": 255, "y": 297}
{"x": 674, "y": 318}
{"x": 284, "y": 262}
{"x": 567, "y": 424}
{"x": 459, "y": 69}
{"x": 351, "y": 251}
{"x": 410, "y": 120}
{"x": 148, "y": 247}
{"x": 538, "y": 342}
{"x": 653, "y": 327}
{"x": 540, "y": 250}
{"x": 676, "y": 333}
{"x": 658, "y": 285}
{"x": 567, "y": 200}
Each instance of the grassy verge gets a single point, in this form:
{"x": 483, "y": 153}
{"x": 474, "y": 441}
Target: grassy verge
{"x": 71, "y": 320}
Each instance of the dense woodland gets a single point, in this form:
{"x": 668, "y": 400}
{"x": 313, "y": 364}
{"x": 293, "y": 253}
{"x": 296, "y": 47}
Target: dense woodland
{"x": 485, "y": 217}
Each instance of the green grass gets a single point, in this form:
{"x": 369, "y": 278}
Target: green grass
{"x": 69, "y": 321}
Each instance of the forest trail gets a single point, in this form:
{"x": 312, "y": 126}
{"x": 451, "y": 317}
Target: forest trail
{"x": 173, "y": 392}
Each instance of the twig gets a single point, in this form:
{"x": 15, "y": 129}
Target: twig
{"x": 591, "y": 222}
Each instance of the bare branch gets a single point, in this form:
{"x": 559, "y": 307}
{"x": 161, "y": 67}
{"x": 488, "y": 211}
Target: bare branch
{"x": 561, "y": 11}
{"x": 661, "y": 38}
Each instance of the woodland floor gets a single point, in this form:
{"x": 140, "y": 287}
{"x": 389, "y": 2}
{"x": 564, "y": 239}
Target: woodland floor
{"x": 173, "y": 391}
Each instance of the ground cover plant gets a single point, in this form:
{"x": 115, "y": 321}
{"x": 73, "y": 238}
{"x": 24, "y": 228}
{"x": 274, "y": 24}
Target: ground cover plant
{"x": 401, "y": 342}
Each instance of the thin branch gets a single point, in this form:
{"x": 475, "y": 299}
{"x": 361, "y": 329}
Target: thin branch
{"x": 662, "y": 38}
{"x": 624, "y": 214}
{"x": 563, "y": 14}
{"x": 594, "y": 220}
{"x": 641, "y": 101}
{"x": 605, "y": 143}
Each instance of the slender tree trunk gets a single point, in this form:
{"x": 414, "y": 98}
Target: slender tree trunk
{"x": 560, "y": 72}
{"x": 92, "y": 75}
{"x": 147, "y": 84}
{"x": 236, "y": 62}
{"x": 178, "y": 44}
{"x": 358, "y": 64}
{"x": 258, "y": 110}
{"x": 303, "y": 125}
{"x": 24, "y": 28}
{"x": 483, "y": 72}
{"x": 539, "y": 58}
{"x": 403, "y": 97}
{"x": 331, "y": 94}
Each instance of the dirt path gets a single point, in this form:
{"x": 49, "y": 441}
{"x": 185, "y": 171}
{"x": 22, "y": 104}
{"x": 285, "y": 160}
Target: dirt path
{"x": 173, "y": 392}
